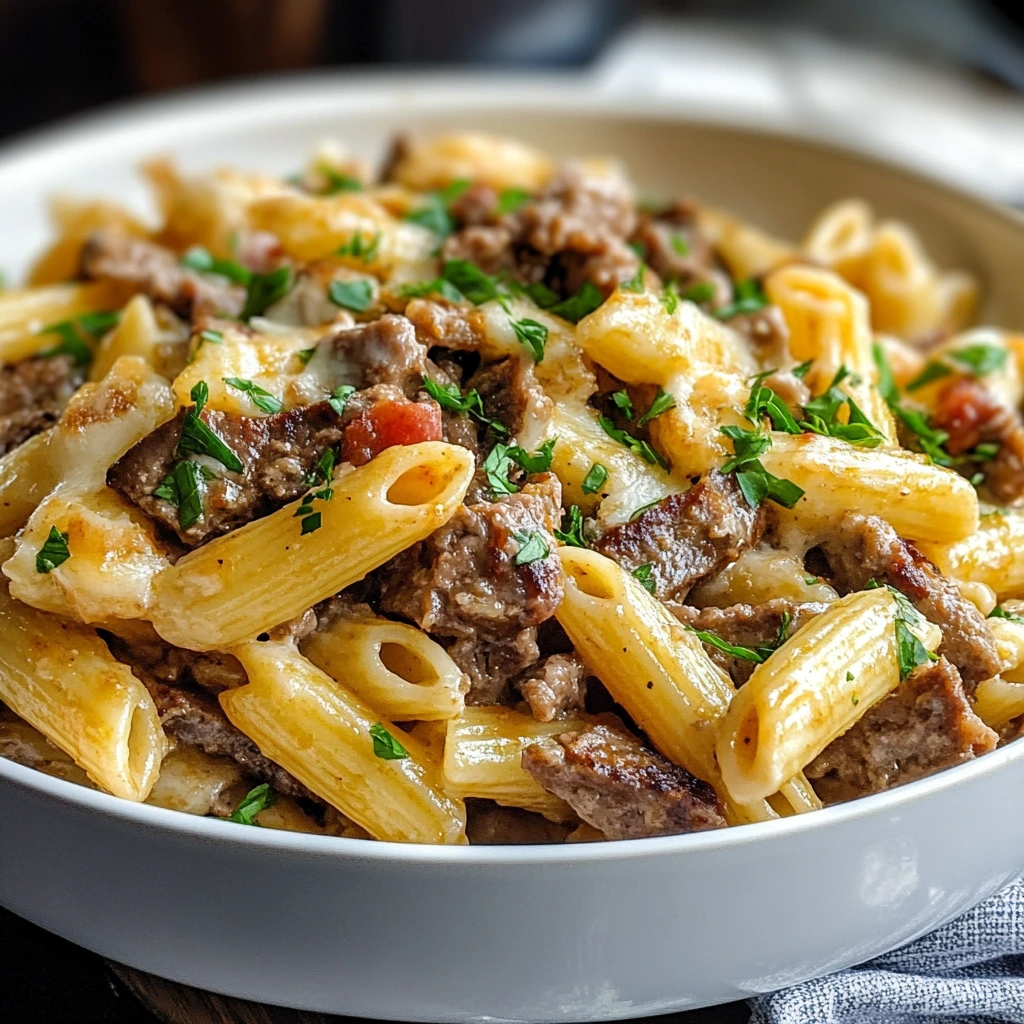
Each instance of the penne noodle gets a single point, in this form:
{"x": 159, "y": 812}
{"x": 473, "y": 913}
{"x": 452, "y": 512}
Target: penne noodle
{"x": 61, "y": 678}
{"x": 810, "y": 691}
{"x": 745, "y": 249}
{"x": 997, "y": 701}
{"x": 653, "y": 666}
{"x": 394, "y": 667}
{"x": 267, "y": 572}
{"x": 994, "y": 555}
{"x": 324, "y": 735}
{"x": 900, "y": 486}
{"x": 483, "y": 758}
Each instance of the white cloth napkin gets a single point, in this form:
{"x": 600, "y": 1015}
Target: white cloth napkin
{"x": 969, "y": 972}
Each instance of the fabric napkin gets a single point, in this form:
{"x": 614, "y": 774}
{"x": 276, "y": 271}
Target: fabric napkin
{"x": 968, "y": 972}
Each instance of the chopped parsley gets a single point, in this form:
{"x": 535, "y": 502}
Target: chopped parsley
{"x": 78, "y": 335}
{"x": 260, "y": 397}
{"x": 435, "y": 213}
{"x": 496, "y": 467}
{"x": 539, "y": 461}
{"x": 579, "y": 305}
{"x": 335, "y": 182}
{"x": 765, "y": 402}
{"x": 748, "y": 297}
{"x": 822, "y": 416}
{"x": 639, "y": 249}
{"x": 532, "y": 547}
{"x": 471, "y": 281}
{"x": 305, "y": 354}
{"x": 256, "y": 800}
{"x": 54, "y": 551}
{"x": 1001, "y": 613}
{"x": 266, "y": 289}
{"x": 511, "y": 199}
{"x": 670, "y": 297}
{"x": 634, "y": 444}
{"x": 910, "y": 652}
{"x": 533, "y": 335}
{"x": 202, "y": 260}
{"x": 183, "y": 488}
{"x": 679, "y": 244}
{"x": 322, "y": 474}
{"x": 360, "y": 249}
{"x": 802, "y": 369}
{"x": 757, "y": 656}
{"x": 573, "y": 533}
{"x": 849, "y": 677}
{"x": 355, "y": 295}
{"x": 642, "y": 574}
{"x": 595, "y": 478}
{"x": 636, "y": 282}
{"x": 198, "y": 439}
{"x": 637, "y": 513}
{"x": 661, "y": 404}
{"x": 542, "y": 295}
{"x": 932, "y": 371}
{"x": 385, "y": 746}
{"x": 702, "y": 291}
{"x": 785, "y": 621}
{"x": 623, "y": 403}
{"x": 208, "y": 337}
{"x": 448, "y": 396}
{"x": 980, "y": 359}
{"x": 340, "y": 396}
{"x": 754, "y": 481}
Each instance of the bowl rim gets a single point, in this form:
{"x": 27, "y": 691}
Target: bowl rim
{"x": 461, "y": 92}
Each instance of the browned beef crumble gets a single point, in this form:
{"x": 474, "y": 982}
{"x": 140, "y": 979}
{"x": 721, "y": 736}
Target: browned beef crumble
{"x": 510, "y": 392}
{"x": 621, "y": 787}
{"x": 766, "y": 329}
{"x": 157, "y": 271}
{"x": 441, "y": 324}
{"x": 490, "y": 824}
{"x": 462, "y": 581}
{"x": 971, "y": 414}
{"x": 33, "y": 394}
{"x": 492, "y": 665}
{"x": 277, "y": 453}
{"x": 688, "y": 536}
{"x": 925, "y": 725}
{"x": 746, "y": 625}
{"x": 554, "y": 686}
{"x": 864, "y": 548}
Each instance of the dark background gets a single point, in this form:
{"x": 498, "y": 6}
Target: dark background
{"x": 60, "y": 57}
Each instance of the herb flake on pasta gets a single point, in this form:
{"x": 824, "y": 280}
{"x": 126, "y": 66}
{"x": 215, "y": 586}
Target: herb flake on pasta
{"x": 533, "y": 335}
{"x": 642, "y": 574}
{"x": 385, "y": 746}
{"x": 573, "y": 532}
{"x": 256, "y": 800}
{"x": 595, "y": 479}
{"x": 662, "y": 403}
{"x": 355, "y": 295}
{"x": 260, "y": 397}
{"x": 54, "y": 552}
{"x": 580, "y": 304}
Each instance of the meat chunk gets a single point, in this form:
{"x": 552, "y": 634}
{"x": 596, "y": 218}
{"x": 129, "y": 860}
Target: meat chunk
{"x": 687, "y": 536}
{"x": 490, "y": 824}
{"x": 464, "y": 580}
{"x": 555, "y": 685}
{"x": 382, "y": 352}
{"x": 675, "y": 249}
{"x": 972, "y": 415}
{"x": 489, "y": 246}
{"x": 619, "y": 786}
{"x": 440, "y": 324}
{"x": 157, "y": 271}
{"x": 277, "y": 453}
{"x": 196, "y": 720}
{"x": 746, "y": 625}
{"x": 492, "y": 665}
{"x": 926, "y": 724}
{"x": 33, "y": 394}
{"x": 863, "y": 548}
{"x": 511, "y": 393}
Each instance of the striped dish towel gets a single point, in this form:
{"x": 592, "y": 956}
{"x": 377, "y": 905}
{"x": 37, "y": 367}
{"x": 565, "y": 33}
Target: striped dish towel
{"x": 969, "y": 972}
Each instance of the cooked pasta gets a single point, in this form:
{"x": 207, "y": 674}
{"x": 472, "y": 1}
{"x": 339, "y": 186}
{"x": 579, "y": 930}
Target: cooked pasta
{"x": 477, "y": 501}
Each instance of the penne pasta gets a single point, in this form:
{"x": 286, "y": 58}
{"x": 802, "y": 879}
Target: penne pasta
{"x": 811, "y": 690}
{"x": 997, "y": 701}
{"x": 483, "y": 758}
{"x": 903, "y": 488}
{"x": 267, "y": 572}
{"x": 330, "y": 740}
{"x": 744, "y": 248}
{"x": 653, "y": 666}
{"x": 61, "y": 678}
{"x": 395, "y": 668}
{"x": 993, "y": 555}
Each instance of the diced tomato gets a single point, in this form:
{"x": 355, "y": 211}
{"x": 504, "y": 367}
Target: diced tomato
{"x": 387, "y": 424}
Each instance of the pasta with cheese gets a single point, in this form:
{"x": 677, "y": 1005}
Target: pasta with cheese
{"x": 475, "y": 500}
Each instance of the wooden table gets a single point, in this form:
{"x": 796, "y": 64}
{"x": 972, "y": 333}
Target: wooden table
{"x": 45, "y": 980}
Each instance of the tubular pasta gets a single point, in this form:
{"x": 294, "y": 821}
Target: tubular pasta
{"x": 265, "y": 573}
{"x": 320, "y": 732}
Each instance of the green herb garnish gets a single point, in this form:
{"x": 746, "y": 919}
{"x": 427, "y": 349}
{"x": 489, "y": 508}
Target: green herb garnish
{"x": 980, "y": 359}
{"x": 356, "y": 295}
{"x": 532, "y": 547}
{"x": 359, "y": 249}
{"x": 661, "y": 404}
{"x": 385, "y": 746}
{"x": 579, "y": 305}
{"x": 595, "y": 478}
{"x": 54, "y": 551}
{"x": 448, "y": 396}
{"x": 636, "y": 282}
{"x": 198, "y": 439}
{"x": 256, "y": 800}
{"x": 260, "y": 397}
{"x": 573, "y": 533}
{"x": 511, "y": 199}
{"x": 910, "y": 652}
{"x": 202, "y": 260}
{"x": 1001, "y": 613}
{"x": 78, "y": 335}
{"x": 183, "y": 488}
{"x": 748, "y": 297}
{"x": 533, "y": 335}
{"x": 642, "y": 573}
{"x": 340, "y": 396}
{"x": 266, "y": 289}
{"x": 634, "y": 444}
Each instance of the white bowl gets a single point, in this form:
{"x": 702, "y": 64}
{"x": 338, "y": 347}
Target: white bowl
{"x": 581, "y": 932}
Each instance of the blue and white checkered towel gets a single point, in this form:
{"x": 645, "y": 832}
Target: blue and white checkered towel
{"x": 969, "y": 972}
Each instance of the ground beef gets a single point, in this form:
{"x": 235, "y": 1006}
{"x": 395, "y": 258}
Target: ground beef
{"x": 676, "y": 250}
{"x": 510, "y": 392}
{"x": 971, "y": 415}
{"x": 277, "y": 454}
{"x": 490, "y": 824}
{"x": 619, "y": 786}
{"x": 492, "y": 665}
{"x": 442, "y": 324}
{"x": 926, "y": 724}
{"x": 383, "y": 352}
{"x": 488, "y": 246}
{"x": 863, "y": 548}
{"x": 33, "y": 394}
{"x": 196, "y": 720}
{"x": 687, "y": 537}
{"x": 766, "y": 330}
{"x": 157, "y": 271}
{"x": 555, "y": 685}
{"x": 748, "y": 625}
{"x": 463, "y": 580}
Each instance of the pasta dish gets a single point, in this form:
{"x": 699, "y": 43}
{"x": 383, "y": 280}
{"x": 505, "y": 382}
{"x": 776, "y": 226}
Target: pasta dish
{"x": 482, "y": 499}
